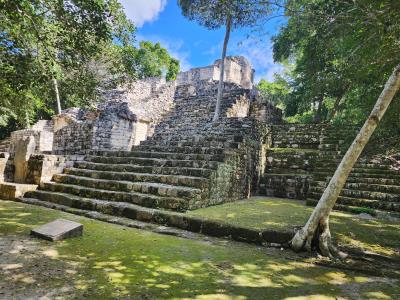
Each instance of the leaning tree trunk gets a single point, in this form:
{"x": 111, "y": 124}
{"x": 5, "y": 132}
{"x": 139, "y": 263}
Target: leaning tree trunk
{"x": 222, "y": 70}
{"x": 55, "y": 84}
{"x": 316, "y": 229}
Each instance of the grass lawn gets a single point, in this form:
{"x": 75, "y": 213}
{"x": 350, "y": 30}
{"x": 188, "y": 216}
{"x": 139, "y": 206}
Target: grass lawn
{"x": 374, "y": 235}
{"x": 114, "y": 262}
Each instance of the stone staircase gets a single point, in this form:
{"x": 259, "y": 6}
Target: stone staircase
{"x": 188, "y": 163}
{"x": 303, "y": 158}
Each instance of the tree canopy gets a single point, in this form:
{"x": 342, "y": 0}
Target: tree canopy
{"x": 213, "y": 14}
{"x": 84, "y": 45}
{"x": 153, "y": 60}
{"x": 342, "y": 51}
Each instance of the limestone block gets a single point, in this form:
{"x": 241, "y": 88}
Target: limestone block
{"x": 24, "y": 148}
{"x": 10, "y": 190}
{"x": 3, "y": 163}
{"x": 59, "y": 229}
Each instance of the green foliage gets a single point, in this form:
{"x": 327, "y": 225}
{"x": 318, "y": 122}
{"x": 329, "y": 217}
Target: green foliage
{"x": 305, "y": 117}
{"x": 275, "y": 92}
{"x": 213, "y": 14}
{"x": 86, "y": 45}
{"x": 41, "y": 40}
{"x": 344, "y": 51}
{"x": 173, "y": 69}
{"x": 152, "y": 60}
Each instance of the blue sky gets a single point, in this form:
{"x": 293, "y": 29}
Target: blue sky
{"x": 195, "y": 46}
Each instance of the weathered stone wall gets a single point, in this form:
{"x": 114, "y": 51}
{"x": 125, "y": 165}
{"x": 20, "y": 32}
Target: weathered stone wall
{"x": 24, "y": 148}
{"x": 42, "y": 167}
{"x": 266, "y": 112}
{"x": 19, "y": 135}
{"x": 3, "y": 163}
{"x": 237, "y": 70}
{"x": 74, "y": 138}
{"x": 42, "y": 133}
{"x": 46, "y": 134}
{"x": 110, "y": 127}
{"x": 239, "y": 175}
{"x": 149, "y": 99}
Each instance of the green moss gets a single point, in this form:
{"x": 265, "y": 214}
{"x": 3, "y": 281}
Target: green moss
{"x": 116, "y": 262}
{"x": 363, "y": 210}
{"x": 259, "y": 213}
{"x": 375, "y": 235}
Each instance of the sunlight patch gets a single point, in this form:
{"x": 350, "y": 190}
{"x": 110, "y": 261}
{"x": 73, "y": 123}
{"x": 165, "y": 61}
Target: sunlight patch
{"x": 11, "y": 266}
{"x": 52, "y": 253}
{"x": 311, "y": 297}
{"x": 252, "y": 280}
{"x": 219, "y": 297}
{"x": 377, "y": 295}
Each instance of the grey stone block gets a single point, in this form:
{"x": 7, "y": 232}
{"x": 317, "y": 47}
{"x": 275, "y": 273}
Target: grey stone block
{"x": 59, "y": 229}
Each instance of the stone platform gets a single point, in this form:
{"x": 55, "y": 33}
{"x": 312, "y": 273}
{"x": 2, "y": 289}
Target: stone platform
{"x": 57, "y": 230}
{"x": 11, "y": 190}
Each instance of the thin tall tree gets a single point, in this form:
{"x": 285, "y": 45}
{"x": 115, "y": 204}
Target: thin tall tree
{"x": 317, "y": 226}
{"x": 231, "y": 14}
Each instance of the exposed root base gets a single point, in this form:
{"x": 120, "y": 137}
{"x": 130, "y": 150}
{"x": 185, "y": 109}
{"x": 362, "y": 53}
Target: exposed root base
{"x": 318, "y": 239}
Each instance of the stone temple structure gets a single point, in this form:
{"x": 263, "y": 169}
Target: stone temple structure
{"x": 150, "y": 151}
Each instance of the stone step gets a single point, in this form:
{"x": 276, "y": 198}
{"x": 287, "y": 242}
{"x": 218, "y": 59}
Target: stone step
{"x": 154, "y": 162}
{"x": 333, "y": 163}
{"x": 312, "y": 127}
{"x": 293, "y": 151}
{"x": 195, "y": 172}
{"x": 159, "y": 189}
{"x": 234, "y": 135}
{"x": 393, "y": 189}
{"x": 196, "y": 182}
{"x": 162, "y": 155}
{"x": 66, "y": 194}
{"x": 316, "y": 192}
{"x": 192, "y": 143}
{"x": 329, "y": 147}
{"x": 177, "y": 149}
{"x": 295, "y": 145}
{"x": 313, "y": 134}
{"x": 325, "y": 176}
{"x": 361, "y": 170}
{"x": 378, "y": 180}
{"x": 285, "y": 171}
{"x": 319, "y": 175}
{"x": 361, "y": 203}
{"x": 330, "y": 154}
{"x": 124, "y": 213}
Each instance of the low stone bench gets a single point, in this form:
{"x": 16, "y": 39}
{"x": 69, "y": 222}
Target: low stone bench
{"x": 10, "y": 190}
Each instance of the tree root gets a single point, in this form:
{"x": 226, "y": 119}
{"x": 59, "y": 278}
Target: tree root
{"x": 319, "y": 239}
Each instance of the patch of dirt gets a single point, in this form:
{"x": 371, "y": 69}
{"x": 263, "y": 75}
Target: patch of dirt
{"x": 29, "y": 270}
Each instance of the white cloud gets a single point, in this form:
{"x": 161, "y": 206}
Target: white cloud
{"x": 260, "y": 55}
{"x": 174, "y": 47}
{"x": 141, "y": 11}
